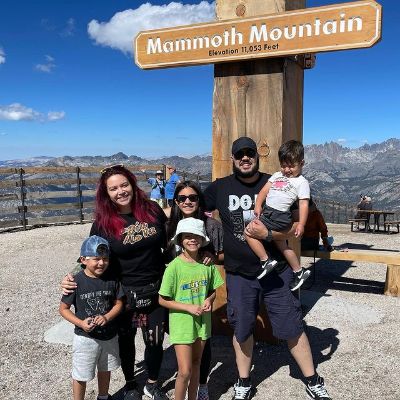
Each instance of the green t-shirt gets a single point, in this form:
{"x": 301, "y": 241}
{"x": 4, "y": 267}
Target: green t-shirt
{"x": 189, "y": 283}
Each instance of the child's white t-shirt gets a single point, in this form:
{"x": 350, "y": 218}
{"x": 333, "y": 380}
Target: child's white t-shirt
{"x": 285, "y": 191}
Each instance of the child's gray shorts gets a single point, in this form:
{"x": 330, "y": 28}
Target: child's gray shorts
{"x": 89, "y": 353}
{"x": 275, "y": 220}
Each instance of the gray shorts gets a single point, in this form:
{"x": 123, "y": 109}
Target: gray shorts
{"x": 89, "y": 353}
{"x": 276, "y": 220}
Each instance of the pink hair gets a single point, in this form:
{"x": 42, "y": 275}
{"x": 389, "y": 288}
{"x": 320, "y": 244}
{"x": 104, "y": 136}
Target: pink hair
{"x": 107, "y": 217}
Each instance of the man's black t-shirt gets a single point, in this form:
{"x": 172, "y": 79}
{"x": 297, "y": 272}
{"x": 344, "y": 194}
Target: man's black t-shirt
{"x": 136, "y": 256}
{"x": 235, "y": 202}
{"x": 94, "y": 296}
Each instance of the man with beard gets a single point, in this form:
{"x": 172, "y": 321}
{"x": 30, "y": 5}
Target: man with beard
{"x": 234, "y": 198}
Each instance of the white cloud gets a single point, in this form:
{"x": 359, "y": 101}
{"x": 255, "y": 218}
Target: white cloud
{"x": 48, "y": 66}
{"x": 2, "y": 56}
{"x": 3, "y": 134}
{"x": 341, "y": 141}
{"x": 120, "y": 31}
{"x": 19, "y": 112}
{"x": 69, "y": 29}
{"x": 55, "y": 115}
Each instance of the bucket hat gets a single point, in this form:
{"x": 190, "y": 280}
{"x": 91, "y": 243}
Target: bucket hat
{"x": 191, "y": 225}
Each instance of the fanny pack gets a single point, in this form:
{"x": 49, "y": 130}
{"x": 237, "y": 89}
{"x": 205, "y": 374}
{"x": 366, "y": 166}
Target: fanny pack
{"x": 143, "y": 297}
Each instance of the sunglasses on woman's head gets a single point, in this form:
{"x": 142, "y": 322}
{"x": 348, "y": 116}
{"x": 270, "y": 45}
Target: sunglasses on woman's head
{"x": 245, "y": 152}
{"x": 192, "y": 197}
{"x": 106, "y": 169}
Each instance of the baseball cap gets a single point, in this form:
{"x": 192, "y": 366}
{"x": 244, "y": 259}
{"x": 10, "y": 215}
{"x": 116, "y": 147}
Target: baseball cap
{"x": 191, "y": 225}
{"x": 159, "y": 172}
{"x": 243, "y": 142}
{"x": 95, "y": 246}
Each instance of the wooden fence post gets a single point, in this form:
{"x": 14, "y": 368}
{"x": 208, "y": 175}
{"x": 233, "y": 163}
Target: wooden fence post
{"x": 79, "y": 193}
{"x": 22, "y": 210}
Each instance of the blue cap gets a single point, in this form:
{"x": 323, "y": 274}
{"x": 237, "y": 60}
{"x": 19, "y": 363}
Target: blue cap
{"x": 91, "y": 247}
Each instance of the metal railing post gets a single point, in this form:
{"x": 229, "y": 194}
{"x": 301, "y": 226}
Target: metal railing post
{"x": 23, "y": 208}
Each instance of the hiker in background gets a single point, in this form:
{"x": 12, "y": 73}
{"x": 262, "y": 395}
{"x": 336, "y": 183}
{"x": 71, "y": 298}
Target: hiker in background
{"x": 188, "y": 201}
{"x": 97, "y": 300}
{"x": 188, "y": 291}
{"x": 158, "y": 183}
{"x": 171, "y": 185}
{"x": 314, "y": 228}
{"x": 365, "y": 203}
{"x": 135, "y": 229}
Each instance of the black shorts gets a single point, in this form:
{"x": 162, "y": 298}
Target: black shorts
{"x": 276, "y": 220}
{"x": 283, "y": 308}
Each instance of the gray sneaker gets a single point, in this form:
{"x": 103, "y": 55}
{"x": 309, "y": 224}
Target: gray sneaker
{"x": 266, "y": 267}
{"x": 299, "y": 278}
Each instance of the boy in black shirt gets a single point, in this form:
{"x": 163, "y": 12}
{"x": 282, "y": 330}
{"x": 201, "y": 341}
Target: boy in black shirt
{"x": 97, "y": 301}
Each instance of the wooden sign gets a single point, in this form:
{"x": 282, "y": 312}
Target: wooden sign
{"x": 328, "y": 28}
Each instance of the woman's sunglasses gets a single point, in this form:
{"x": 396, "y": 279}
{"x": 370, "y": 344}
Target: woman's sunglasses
{"x": 106, "y": 169}
{"x": 192, "y": 198}
{"x": 246, "y": 152}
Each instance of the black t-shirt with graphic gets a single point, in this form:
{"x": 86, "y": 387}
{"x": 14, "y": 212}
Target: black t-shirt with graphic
{"x": 136, "y": 256}
{"x": 94, "y": 296}
{"x": 235, "y": 201}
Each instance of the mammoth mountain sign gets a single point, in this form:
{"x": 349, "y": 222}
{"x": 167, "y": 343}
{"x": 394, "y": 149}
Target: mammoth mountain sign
{"x": 335, "y": 27}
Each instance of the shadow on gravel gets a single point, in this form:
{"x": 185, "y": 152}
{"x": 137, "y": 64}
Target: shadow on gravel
{"x": 267, "y": 359}
{"x": 326, "y": 274}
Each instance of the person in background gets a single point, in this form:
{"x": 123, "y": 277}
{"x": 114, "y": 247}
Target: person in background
{"x": 171, "y": 185}
{"x": 365, "y": 203}
{"x": 314, "y": 228}
{"x": 188, "y": 291}
{"x": 188, "y": 202}
{"x": 158, "y": 183}
{"x": 134, "y": 226}
{"x": 97, "y": 300}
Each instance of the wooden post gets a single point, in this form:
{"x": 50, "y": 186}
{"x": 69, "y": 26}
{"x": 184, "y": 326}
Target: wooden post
{"x": 392, "y": 283}
{"x": 23, "y": 208}
{"x": 262, "y": 99}
{"x": 79, "y": 194}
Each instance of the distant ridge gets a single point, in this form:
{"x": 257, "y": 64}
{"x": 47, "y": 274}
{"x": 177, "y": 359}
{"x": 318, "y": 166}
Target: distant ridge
{"x": 335, "y": 172}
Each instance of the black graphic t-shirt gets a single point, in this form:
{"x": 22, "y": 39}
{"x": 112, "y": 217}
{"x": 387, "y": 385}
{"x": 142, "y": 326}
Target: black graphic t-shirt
{"x": 235, "y": 202}
{"x": 137, "y": 256}
{"x": 94, "y": 296}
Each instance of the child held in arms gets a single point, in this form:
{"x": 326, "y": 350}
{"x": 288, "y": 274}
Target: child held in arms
{"x": 273, "y": 209}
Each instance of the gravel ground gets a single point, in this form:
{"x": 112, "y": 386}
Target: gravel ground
{"x": 353, "y": 328}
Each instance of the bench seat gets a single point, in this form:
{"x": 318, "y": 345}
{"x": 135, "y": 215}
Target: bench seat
{"x": 390, "y": 258}
{"x": 389, "y": 224}
{"x": 357, "y": 221}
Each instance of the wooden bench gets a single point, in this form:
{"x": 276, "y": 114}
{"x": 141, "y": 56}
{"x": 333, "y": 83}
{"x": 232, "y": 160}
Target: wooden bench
{"x": 357, "y": 221}
{"x": 388, "y": 224}
{"x": 390, "y": 258}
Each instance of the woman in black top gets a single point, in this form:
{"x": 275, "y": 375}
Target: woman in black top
{"x": 135, "y": 229}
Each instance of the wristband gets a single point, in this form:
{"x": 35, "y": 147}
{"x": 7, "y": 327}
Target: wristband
{"x": 269, "y": 236}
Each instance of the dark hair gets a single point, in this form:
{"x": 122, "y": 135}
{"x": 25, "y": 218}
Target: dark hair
{"x": 176, "y": 215}
{"x": 291, "y": 152}
{"x": 107, "y": 217}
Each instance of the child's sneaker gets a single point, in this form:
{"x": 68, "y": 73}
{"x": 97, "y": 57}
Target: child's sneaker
{"x": 153, "y": 391}
{"x": 242, "y": 392}
{"x": 202, "y": 393}
{"x": 299, "y": 278}
{"x": 267, "y": 266}
{"x": 318, "y": 391}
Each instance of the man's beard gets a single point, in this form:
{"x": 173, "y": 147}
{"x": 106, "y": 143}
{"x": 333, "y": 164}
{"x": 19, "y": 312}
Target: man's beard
{"x": 247, "y": 174}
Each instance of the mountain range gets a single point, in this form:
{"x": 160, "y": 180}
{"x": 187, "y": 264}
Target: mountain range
{"x": 336, "y": 173}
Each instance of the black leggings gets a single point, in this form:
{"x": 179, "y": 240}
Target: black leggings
{"x": 205, "y": 364}
{"x": 153, "y": 337}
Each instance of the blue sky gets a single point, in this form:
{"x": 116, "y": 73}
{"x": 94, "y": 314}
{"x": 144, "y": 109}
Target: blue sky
{"x": 69, "y": 86}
